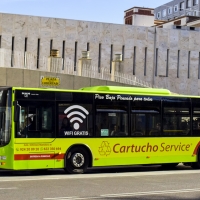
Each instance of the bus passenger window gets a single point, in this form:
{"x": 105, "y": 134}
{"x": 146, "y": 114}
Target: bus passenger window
{"x": 75, "y": 120}
{"x": 144, "y": 118}
{"x": 139, "y": 127}
{"x": 196, "y": 121}
{"x": 176, "y": 117}
{"x": 156, "y": 130}
{"x": 115, "y": 131}
{"x": 112, "y": 120}
{"x": 65, "y": 126}
{"x": 36, "y": 120}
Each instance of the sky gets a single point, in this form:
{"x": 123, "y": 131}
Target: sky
{"x": 109, "y": 11}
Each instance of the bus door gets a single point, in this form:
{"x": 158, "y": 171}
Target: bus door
{"x": 34, "y": 135}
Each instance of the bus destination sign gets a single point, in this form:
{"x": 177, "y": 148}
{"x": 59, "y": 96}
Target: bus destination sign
{"x": 49, "y": 81}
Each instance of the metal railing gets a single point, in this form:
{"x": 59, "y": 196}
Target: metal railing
{"x": 26, "y": 60}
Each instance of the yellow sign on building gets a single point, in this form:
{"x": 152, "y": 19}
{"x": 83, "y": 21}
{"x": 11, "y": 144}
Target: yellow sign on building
{"x": 49, "y": 81}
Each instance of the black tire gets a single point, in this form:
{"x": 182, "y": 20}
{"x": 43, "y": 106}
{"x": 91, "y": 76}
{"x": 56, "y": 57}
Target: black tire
{"x": 169, "y": 165}
{"x": 196, "y": 165}
{"x": 40, "y": 171}
{"x": 76, "y": 161}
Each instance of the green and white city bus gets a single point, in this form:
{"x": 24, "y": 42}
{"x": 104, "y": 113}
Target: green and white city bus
{"x": 101, "y": 126}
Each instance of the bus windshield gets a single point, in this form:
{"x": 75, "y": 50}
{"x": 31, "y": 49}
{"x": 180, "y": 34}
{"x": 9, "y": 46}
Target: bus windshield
{"x": 5, "y": 116}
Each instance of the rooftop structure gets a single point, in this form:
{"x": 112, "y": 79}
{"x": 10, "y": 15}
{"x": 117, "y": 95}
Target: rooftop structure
{"x": 139, "y": 16}
{"x": 183, "y": 22}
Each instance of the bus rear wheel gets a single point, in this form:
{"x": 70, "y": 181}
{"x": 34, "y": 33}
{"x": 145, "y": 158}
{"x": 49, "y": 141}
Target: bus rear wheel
{"x": 196, "y": 165}
{"x": 169, "y": 165}
{"x": 76, "y": 161}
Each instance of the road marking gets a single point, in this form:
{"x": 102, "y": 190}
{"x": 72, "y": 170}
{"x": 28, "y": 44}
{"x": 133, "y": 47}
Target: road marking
{"x": 102, "y": 175}
{"x": 71, "y": 198}
{"x": 60, "y": 198}
{"x": 12, "y": 188}
{"x": 151, "y": 193}
{"x": 127, "y": 194}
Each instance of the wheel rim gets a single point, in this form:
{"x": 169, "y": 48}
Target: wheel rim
{"x": 78, "y": 160}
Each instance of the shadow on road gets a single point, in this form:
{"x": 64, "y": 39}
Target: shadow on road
{"x": 148, "y": 168}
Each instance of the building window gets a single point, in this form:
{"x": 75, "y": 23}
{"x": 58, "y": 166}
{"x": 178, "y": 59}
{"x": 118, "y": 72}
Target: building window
{"x": 129, "y": 13}
{"x": 176, "y": 8}
{"x": 192, "y": 28}
{"x": 188, "y": 4}
{"x": 25, "y": 50}
{"x": 177, "y": 23}
{"x": 189, "y": 64}
{"x": 111, "y": 57}
{"x": 158, "y": 15}
{"x": 199, "y": 67}
{"x": 88, "y": 46}
{"x": 134, "y": 60}
{"x": 156, "y": 65}
{"x": 128, "y": 20}
{"x": 51, "y": 45}
{"x": 38, "y": 53}
{"x": 12, "y": 52}
{"x": 170, "y": 10}
{"x": 182, "y": 6}
{"x": 195, "y": 2}
{"x": 178, "y": 63}
{"x": 196, "y": 13}
{"x": 75, "y": 55}
{"x": 123, "y": 52}
{"x": 167, "y": 63}
{"x": 164, "y": 13}
{"x": 145, "y": 61}
{"x": 63, "y": 54}
{"x": 99, "y": 58}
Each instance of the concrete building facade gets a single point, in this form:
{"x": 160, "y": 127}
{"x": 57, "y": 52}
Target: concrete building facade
{"x": 167, "y": 58}
{"x": 177, "y": 8}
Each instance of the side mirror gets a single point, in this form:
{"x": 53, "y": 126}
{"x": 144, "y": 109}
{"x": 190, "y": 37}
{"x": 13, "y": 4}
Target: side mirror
{"x": 17, "y": 108}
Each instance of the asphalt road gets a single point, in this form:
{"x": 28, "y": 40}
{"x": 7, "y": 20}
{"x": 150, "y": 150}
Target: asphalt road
{"x": 142, "y": 183}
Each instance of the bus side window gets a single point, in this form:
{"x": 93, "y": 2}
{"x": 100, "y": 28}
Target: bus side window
{"x": 40, "y": 123}
{"x": 195, "y": 122}
{"x": 176, "y": 117}
{"x": 112, "y": 120}
{"x": 47, "y": 122}
{"x": 144, "y": 117}
{"x": 74, "y": 120}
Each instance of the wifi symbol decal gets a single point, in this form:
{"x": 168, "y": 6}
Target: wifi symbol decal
{"x": 76, "y": 115}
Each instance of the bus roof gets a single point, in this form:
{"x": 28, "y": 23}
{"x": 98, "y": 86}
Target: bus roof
{"x": 114, "y": 89}
{"x": 122, "y": 89}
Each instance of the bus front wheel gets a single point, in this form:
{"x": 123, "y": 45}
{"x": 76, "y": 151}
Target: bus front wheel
{"x": 77, "y": 161}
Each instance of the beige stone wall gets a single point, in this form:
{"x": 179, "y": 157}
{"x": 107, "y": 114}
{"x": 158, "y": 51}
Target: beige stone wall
{"x": 31, "y": 78}
{"x": 95, "y": 33}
